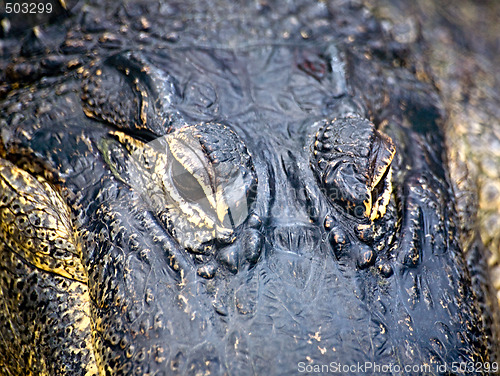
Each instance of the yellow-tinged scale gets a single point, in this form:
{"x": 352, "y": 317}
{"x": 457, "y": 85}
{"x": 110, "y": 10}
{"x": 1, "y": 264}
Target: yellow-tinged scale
{"x": 56, "y": 216}
{"x": 38, "y": 197}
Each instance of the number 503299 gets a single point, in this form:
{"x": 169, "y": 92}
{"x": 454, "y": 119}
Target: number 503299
{"x": 28, "y": 8}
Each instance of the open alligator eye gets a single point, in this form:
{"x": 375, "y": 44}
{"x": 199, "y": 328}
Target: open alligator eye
{"x": 352, "y": 161}
{"x": 200, "y": 179}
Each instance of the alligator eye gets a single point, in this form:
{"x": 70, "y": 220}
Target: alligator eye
{"x": 187, "y": 186}
{"x": 185, "y": 183}
{"x": 199, "y": 179}
{"x": 352, "y": 161}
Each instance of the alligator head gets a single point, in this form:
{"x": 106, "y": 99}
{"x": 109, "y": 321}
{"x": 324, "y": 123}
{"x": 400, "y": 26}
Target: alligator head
{"x": 267, "y": 201}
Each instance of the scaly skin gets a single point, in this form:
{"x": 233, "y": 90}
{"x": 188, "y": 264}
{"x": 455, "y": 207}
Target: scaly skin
{"x": 45, "y": 299}
{"x": 232, "y": 190}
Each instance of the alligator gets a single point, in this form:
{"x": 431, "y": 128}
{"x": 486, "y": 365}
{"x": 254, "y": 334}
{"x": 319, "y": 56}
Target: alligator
{"x": 230, "y": 188}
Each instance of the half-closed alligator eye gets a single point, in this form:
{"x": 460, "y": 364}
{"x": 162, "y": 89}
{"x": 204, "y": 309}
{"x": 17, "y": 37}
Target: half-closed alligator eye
{"x": 200, "y": 179}
{"x": 352, "y": 161}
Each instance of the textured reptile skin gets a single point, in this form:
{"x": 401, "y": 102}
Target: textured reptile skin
{"x": 120, "y": 248}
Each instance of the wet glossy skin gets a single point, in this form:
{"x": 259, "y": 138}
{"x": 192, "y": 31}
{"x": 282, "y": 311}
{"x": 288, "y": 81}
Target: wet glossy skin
{"x": 349, "y": 252}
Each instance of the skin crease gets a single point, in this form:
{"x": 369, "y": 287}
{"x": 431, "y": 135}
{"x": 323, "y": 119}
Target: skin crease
{"x": 130, "y": 139}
